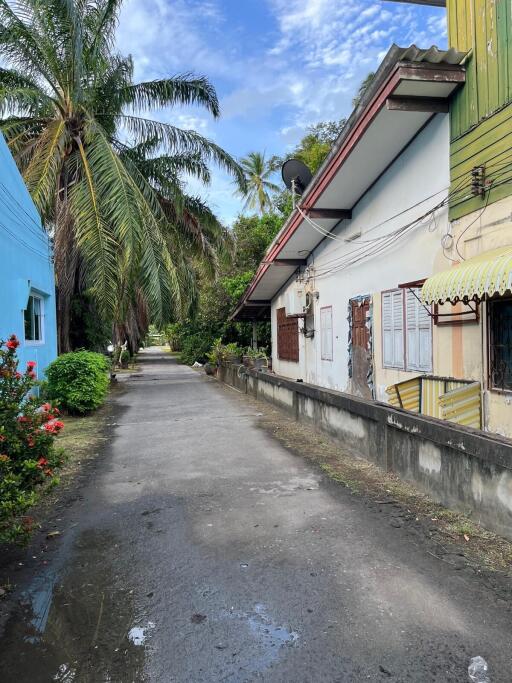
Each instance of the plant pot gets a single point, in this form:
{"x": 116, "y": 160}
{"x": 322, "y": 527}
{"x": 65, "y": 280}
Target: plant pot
{"x": 210, "y": 369}
{"x": 246, "y": 360}
{"x": 259, "y": 363}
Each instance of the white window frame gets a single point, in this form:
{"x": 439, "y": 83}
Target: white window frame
{"x": 395, "y": 329}
{"x": 41, "y": 341}
{"x": 326, "y": 353}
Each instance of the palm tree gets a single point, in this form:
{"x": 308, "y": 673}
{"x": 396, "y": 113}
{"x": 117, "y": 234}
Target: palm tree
{"x": 257, "y": 171}
{"x": 68, "y": 104}
{"x": 363, "y": 87}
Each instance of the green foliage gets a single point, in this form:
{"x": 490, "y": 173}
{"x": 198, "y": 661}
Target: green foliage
{"x": 27, "y": 454}
{"x": 123, "y": 226}
{"x": 258, "y": 172}
{"x": 88, "y": 330}
{"x": 252, "y": 236}
{"x": 365, "y": 84}
{"x": 78, "y": 381}
{"x": 220, "y": 352}
{"x": 125, "y": 357}
{"x": 255, "y": 353}
{"x": 236, "y": 285}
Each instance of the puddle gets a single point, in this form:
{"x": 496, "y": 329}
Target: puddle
{"x": 271, "y": 638}
{"x": 79, "y": 625}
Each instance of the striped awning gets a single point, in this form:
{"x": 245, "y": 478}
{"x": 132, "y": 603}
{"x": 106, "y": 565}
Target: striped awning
{"x": 489, "y": 273}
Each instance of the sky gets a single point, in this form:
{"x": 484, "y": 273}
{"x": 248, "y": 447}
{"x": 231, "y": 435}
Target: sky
{"x": 278, "y": 66}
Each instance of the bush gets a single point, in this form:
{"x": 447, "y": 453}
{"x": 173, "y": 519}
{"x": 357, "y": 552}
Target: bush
{"x": 195, "y": 348}
{"x": 78, "y": 381}
{"x": 27, "y": 433}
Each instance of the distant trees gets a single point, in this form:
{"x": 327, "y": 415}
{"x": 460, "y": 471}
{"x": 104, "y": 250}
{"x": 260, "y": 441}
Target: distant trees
{"x": 259, "y": 187}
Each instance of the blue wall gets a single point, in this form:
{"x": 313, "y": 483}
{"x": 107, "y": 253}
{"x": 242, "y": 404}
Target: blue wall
{"x": 25, "y": 265}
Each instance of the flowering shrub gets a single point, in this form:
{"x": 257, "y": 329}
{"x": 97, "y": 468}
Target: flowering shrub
{"x": 27, "y": 433}
{"x": 78, "y": 381}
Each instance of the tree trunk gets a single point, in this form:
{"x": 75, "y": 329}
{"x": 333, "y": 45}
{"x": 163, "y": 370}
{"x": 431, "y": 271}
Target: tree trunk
{"x": 66, "y": 266}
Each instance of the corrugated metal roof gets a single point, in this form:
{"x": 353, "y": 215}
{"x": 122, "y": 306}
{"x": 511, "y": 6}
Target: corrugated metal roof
{"x": 432, "y": 55}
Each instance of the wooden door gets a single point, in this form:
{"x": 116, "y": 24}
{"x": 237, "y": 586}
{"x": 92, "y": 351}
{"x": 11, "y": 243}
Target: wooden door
{"x": 360, "y": 347}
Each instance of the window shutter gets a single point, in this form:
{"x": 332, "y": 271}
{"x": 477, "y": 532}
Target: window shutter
{"x": 326, "y": 333}
{"x": 411, "y": 325}
{"x": 425, "y": 339}
{"x": 387, "y": 330}
{"x": 398, "y": 328}
{"x": 419, "y": 334}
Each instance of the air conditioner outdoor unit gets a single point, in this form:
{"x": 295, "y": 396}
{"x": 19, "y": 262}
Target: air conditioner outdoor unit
{"x": 296, "y": 301}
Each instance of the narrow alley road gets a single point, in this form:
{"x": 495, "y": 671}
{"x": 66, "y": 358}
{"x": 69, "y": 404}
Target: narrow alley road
{"x": 201, "y": 550}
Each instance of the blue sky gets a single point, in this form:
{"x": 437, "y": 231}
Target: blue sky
{"x": 278, "y": 65}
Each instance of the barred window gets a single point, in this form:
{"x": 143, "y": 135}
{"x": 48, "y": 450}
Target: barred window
{"x": 500, "y": 344}
{"x": 287, "y": 337}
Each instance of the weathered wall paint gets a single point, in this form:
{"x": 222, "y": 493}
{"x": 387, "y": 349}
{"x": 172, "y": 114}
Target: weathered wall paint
{"x": 412, "y": 258}
{"x": 481, "y": 111}
{"x": 458, "y": 351}
{"x": 25, "y": 265}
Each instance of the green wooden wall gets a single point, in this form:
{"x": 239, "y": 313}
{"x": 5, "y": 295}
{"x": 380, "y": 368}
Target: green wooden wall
{"x": 481, "y": 112}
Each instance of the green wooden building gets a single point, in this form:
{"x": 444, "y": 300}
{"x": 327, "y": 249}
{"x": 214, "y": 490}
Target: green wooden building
{"x": 481, "y": 111}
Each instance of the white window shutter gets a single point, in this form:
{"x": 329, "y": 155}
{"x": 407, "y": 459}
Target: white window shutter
{"x": 326, "y": 333}
{"x": 419, "y": 334}
{"x": 425, "y": 339}
{"x": 398, "y": 328}
{"x": 411, "y": 325}
{"x": 387, "y": 330}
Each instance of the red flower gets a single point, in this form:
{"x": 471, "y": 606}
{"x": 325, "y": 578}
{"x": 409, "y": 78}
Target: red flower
{"x": 46, "y": 407}
{"x": 13, "y": 342}
{"x": 31, "y": 364}
{"x": 53, "y": 426}
{"x": 30, "y": 442}
{"x": 18, "y": 375}
{"x": 42, "y": 462}
{"x": 23, "y": 418}
{"x": 31, "y": 374}
{"x": 48, "y": 472}
{"x": 2, "y": 438}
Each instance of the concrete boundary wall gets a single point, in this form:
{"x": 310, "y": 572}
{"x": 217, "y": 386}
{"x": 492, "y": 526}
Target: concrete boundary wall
{"x": 463, "y": 468}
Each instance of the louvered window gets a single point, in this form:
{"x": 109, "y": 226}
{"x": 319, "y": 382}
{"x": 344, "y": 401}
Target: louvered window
{"x": 287, "y": 337}
{"x": 326, "y": 332}
{"x": 393, "y": 329}
{"x": 418, "y": 325}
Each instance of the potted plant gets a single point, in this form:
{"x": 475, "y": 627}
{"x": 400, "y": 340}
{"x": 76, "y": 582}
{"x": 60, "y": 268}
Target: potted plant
{"x": 256, "y": 358}
{"x": 232, "y": 353}
{"x": 124, "y": 359}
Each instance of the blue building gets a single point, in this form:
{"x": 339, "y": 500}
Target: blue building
{"x": 27, "y": 285}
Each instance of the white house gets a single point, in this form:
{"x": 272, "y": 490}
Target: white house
{"x": 342, "y": 281}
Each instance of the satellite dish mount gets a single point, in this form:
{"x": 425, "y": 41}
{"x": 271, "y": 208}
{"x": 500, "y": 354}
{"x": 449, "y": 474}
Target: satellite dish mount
{"x": 296, "y": 176}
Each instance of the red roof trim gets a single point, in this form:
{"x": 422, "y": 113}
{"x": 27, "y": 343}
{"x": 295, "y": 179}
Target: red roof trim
{"x": 330, "y": 171}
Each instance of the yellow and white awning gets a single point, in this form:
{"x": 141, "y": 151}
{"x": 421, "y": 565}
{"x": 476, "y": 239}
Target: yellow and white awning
{"x": 489, "y": 273}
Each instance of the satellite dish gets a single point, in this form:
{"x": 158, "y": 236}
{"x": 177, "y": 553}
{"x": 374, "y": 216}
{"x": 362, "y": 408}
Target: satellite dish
{"x": 296, "y": 175}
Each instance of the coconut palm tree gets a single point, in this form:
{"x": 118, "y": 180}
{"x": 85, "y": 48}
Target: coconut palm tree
{"x": 68, "y": 106}
{"x": 257, "y": 172}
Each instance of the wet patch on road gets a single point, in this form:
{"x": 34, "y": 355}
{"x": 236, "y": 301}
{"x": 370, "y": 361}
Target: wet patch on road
{"x": 78, "y": 625}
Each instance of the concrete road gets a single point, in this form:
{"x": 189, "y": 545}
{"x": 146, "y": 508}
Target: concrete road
{"x": 201, "y": 550}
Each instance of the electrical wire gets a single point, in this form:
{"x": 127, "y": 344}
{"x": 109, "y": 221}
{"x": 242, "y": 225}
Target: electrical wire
{"x": 40, "y": 234}
{"x": 16, "y": 238}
